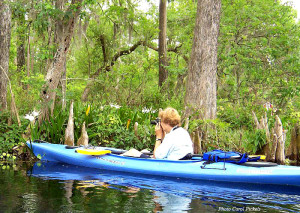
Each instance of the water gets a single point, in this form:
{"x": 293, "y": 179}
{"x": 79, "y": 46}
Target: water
{"x": 50, "y": 187}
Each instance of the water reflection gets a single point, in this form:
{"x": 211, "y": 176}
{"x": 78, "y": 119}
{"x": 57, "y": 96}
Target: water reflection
{"x": 170, "y": 202}
{"x": 155, "y": 194}
{"x": 29, "y": 203}
{"x": 68, "y": 185}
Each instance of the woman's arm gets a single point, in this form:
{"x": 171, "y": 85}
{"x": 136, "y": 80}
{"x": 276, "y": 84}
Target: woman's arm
{"x": 159, "y": 137}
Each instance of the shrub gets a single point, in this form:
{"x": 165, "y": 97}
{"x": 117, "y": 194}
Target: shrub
{"x": 10, "y": 135}
{"x": 254, "y": 141}
{"x": 217, "y": 135}
{"x": 108, "y": 125}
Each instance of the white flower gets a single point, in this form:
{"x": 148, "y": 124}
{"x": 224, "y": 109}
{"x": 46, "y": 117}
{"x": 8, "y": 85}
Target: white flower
{"x": 146, "y": 110}
{"x": 35, "y": 114}
{"x": 115, "y": 106}
{"x": 29, "y": 117}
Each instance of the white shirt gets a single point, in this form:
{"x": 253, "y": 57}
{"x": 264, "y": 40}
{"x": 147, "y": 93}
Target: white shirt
{"x": 176, "y": 144}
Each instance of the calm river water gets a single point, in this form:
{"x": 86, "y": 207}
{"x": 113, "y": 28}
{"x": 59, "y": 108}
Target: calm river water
{"x": 50, "y": 187}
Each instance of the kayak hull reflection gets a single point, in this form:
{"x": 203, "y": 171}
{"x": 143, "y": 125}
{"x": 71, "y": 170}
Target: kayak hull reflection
{"x": 183, "y": 187}
{"x": 188, "y": 169}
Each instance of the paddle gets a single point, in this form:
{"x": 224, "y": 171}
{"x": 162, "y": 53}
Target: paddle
{"x": 112, "y": 150}
{"x": 262, "y": 157}
{"x": 92, "y": 152}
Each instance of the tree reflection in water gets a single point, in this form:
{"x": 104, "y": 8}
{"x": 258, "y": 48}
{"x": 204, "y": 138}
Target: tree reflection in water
{"x": 162, "y": 201}
{"x": 48, "y": 187}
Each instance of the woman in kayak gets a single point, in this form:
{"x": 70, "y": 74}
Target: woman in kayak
{"x": 172, "y": 141}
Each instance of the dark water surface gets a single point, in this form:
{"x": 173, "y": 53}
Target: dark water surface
{"x": 50, "y": 187}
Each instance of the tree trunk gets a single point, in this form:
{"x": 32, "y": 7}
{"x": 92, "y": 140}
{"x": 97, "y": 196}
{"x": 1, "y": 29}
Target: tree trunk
{"x": 84, "y": 138}
{"x": 294, "y": 149}
{"x": 275, "y": 149}
{"x": 86, "y": 91}
{"x": 197, "y": 139}
{"x": 28, "y": 55}
{"x": 21, "y": 43}
{"x": 56, "y": 69}
{"x": 278, "y": 130}
{"x": 59, "y": 23}
{"x": 69, "y": 133}
{"x": 64, "y": 88}
{"x": 162, "y": 42}
{"x": 79, "y": 32}
{"x": 58, "y": 36}
{"x": 21, "y": 55}
{"x": 271, "y": 152}
{"x": 201, "y": 88}
{"x": 5, "y": 30}
{"x": 268, "y": 147}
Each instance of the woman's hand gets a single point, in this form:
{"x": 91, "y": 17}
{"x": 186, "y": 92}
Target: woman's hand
{"x": 159, "y": 131}
{"x": 159, "y": 137}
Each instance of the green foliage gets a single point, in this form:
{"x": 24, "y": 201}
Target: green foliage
{"x": 258, "y": 53}
{"x": 115, "y": 127}
{"x": 6, "y": 158}
{"x": 10, "y": 135}
{"x": 258, "y": 62}
{"x": 220, "y": 135}
{"x": 108, "y": 125}
{"x": 217, "y": 134}
{"x": 254, "y": 141}
{"x": 236, "y": 117}
{"x": 53, "y": 129}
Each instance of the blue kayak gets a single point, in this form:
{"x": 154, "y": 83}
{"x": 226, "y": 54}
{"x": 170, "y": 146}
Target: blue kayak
{"x": 195, "y": 169}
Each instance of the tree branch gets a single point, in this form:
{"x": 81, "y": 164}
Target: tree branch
{"x": 123, "y": 52}
{"x": 174, "y": 49}
{"x": 102, "y": 40}
{"x": 116, "y": 57}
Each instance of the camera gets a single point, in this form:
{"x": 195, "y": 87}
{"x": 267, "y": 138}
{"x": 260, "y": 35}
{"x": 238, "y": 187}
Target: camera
{"x": 156, "y": 121}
